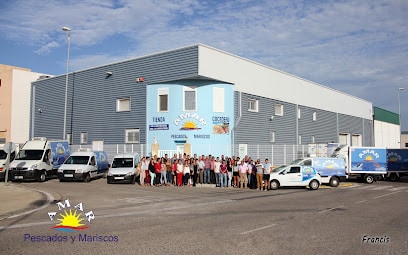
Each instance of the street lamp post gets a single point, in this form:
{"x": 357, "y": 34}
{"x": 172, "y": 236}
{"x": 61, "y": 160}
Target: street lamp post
{"x": 399, "y": 113}
{"x": 66, "y": 29}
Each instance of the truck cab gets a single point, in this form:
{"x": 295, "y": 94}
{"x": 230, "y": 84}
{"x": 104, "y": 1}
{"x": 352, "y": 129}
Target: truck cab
{"x": 6, "y": 156}
{"x": 38, "y": 159}
{"x": 295, "y": 176}
{"x": 84, "y": 165}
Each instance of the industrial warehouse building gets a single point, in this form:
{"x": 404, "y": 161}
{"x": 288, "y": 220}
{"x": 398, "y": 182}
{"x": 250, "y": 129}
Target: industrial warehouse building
{"x": 216, "y": 102}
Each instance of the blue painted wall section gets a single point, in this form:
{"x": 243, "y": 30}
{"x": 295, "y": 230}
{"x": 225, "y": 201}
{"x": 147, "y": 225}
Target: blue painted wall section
{"x": 207, "y": 131}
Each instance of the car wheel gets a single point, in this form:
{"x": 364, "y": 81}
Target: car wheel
{"x": 133, "y": 180}
{"x": 107, "y": 181}
{"x": 314, "y": 185}
{"x": 369, "y": 178}
{"x": 42, "y": 177}
{"x": 334, "y": 182}
{"x": 87, "y": 178}
{"x": 274, "y": 184}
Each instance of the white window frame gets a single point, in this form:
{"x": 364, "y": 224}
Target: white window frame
{"x": 120, "y": 107}
{"x": 313, "y": 139}
{"x": 314, "y": 116}
{"x": 299, "y": 139}
{"x": 218, "y": 99}
{"x": 298, "y": 113}
{"x": 137, "y": 136}
{"x": 279, "y": 109}
{"x": 189, "y": 89}
{"x": 84, "y": 138}
{"x": 253, "y": 105}
{"x": 162, "y": 92}
{"x": 272, "y": 137}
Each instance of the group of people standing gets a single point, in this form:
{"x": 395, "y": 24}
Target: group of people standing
{"x": 183, "y": 170}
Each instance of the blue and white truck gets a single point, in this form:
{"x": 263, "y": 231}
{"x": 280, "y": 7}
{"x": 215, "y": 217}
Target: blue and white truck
{"x": 84, "y": 165}
{"x": 366, "y": 163}
{"x": 332, "y": 170}
{"x": 38, "y": 159}
{"x": 397, "y": 163}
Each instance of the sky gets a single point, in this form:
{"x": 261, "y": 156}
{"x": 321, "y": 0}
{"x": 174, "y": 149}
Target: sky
{"x": 357, "y": 47}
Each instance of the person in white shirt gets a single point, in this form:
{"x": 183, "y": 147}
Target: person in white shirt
{"x": 217, "y": 172}
{"x": 267, "y": 174}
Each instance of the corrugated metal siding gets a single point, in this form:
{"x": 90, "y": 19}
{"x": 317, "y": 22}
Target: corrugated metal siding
{"x": 92, "y": 96}
{"x": 255, "y": 127}
{"x": 324, "y": 129}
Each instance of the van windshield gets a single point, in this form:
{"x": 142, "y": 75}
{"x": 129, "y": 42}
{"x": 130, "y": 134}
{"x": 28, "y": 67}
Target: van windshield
{"x": 122, "y": 162}
{"x": 77, "y": 160}
{"x": 3, "y": 154}
{"x": 30, "y": 154}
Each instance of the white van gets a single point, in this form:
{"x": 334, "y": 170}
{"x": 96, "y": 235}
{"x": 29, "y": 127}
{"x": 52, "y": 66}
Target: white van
{"x": 84, "y": 165}
{"x": 124, "y": 168}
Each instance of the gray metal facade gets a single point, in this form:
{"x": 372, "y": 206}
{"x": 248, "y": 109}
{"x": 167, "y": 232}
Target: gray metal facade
{"x": 92, "y": 96}
{"x": 255, "y": 127}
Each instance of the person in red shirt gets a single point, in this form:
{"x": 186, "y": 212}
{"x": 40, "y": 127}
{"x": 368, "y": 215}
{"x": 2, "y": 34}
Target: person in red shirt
{"x": 157, "y": 171}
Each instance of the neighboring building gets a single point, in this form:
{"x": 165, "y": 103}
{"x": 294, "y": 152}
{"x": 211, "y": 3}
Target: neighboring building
{"x": 217, "y": 102}
{"x": 15, "y": 90}
{"x": 386, "y": 129}
{"x": 404, "y": 139}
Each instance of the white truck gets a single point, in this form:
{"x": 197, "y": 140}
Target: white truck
{"x": 7, "y": 155}
{"x": 38, "y": 159}
{"x": 332, "y": 170}
{"x": 84, "y": 165}
{"x": 365, "y": 163}
{"x": 124, "y": 168}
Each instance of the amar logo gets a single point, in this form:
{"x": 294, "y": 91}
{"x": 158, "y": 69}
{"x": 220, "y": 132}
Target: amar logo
{"x": 71, "y": 219}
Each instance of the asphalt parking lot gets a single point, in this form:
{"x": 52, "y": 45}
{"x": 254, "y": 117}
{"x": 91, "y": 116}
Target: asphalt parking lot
{"x": 355, "y": 218}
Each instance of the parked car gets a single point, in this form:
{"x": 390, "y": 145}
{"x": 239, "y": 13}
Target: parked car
{"x": 295, "y": 176}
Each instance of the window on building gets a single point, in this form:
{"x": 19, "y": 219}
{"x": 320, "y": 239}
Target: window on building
{"x": 313, "y": 139}
{"x": 132, "y": 135}
{"x": 314, "y": 116}
{"x": 272, "y": 137}
{"x": 84, "y": 138}
{"x": 69, "y": 138}
{"x": 252, "y": 105}
{"x": 298, "y": 113}
{"x": 300, "y": 139}
{"x": 218, "y": 100}
{"x": 279, "y": 109}
{"x": 406, "y": 145}
{"x": 356, "y": 140}
{"x": 190, "y": 99}
{"x": 163, "y": 99}
{"x": 123, "y": 104}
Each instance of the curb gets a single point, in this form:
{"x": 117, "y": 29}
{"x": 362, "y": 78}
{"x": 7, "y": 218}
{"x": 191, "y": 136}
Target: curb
{"x": 42, "y": 204}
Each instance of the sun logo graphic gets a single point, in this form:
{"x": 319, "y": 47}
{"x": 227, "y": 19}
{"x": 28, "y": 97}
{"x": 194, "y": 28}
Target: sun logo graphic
{"x": 189, "y": 125}
{"x": 369, "y": 158}
{"x": 71, "y": 219}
